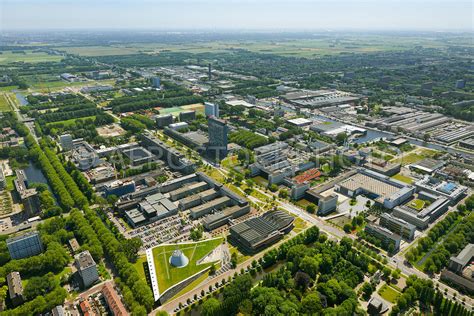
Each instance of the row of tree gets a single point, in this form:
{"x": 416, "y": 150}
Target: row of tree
{"x": 451, "y": 245}
{"x": 248, "y": 139}
{"x": 85, "y": 234}
{"x": 165, "y": 103}
{"x": 57, "y": 185}
{"x": 63, "y": 116}
{"x": 437, "y": 232}
{"x": 421, "y": 292}
{"x": 79, "y": 199}
{"x": 151, "y": 95}
{"x": 136, "y": 292}
{"x": 132, "y": 125}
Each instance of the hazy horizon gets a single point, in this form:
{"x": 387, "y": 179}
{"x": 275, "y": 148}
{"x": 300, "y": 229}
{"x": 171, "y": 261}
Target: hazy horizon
{"x": 235, "y": 15}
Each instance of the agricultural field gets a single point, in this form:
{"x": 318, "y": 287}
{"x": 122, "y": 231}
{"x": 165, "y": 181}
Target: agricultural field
{"x": 309, "y": 48}
{"x": 101, "y": 50}
{"x": 168, "y": 275}
{"x": 7, "y": 57}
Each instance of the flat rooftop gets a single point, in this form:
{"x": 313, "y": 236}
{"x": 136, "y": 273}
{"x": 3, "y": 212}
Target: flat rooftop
{"x": 300, "y": 121}
{"x": 137, "y": 153}
{"x": 197, "y": 137}
{"x": 465, "y": 255}
{"x": 84, "y": 260}
{"x": 240, "y": 102}
{"x": 428, "y": 164}
{"x": 382, "y": 189}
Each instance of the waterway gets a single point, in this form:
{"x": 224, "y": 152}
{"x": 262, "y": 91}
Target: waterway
{"x": 373, "y": 135}
{"x": 21, "y": 98}
{"x": 35, "y": 175}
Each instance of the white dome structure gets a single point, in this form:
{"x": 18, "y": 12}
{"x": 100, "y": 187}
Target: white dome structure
{"x": 178, "y": 259}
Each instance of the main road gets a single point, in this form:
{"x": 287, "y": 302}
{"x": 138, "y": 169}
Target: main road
{"x": 333, "y": 233}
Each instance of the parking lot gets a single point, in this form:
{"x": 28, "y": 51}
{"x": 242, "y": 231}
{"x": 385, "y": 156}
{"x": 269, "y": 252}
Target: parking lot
{"x": 168, "y": 230}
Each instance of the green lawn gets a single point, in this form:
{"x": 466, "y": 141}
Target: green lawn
{"x": 389, "y": 293}
{"x": 229, "y": 162}
{"x": 140, "y": 266}
{"x": 215, "y": 174}
{"x": 341, "y": 221}
{"x": 300, "y": 225}
{"x": 412, "y": 158}
{"x": 192, "y": 285}
{"x": 417, "y": 204}
{"x": 10, "y": 186}
{"x": 68, "y": 123}
{"x": 326, "y": 168}
{"x": 168, "y": 275}
{"x": 303, "y": 203}
{"x": 4, "y": 105}
{"x": 240, "y": 256}
{"x": 403, "y": 178}
{"x": 260, "y": 181}
{"x": 416, "y": 156}
{"x": 7, "y": 57}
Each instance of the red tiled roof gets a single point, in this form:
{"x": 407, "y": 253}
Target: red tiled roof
{"x": 113, "y": 301}
{"x": 307, "y": 176}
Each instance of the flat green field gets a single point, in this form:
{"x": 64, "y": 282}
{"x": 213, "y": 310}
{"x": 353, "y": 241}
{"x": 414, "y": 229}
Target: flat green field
{"x": 7, "y": 57}
{"x": 168, "y": 275}
{"x": 389, "y": 293}
{"x": 199, "y": 108}
{"x": 4, "y": 105}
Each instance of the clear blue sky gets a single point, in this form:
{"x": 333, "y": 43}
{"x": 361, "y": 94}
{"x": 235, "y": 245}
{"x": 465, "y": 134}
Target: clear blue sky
{"x": 435, "y": 15}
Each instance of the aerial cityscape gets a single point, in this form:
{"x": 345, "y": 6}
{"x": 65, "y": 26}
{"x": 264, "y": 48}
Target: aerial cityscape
{"x": 157, "y": 163}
